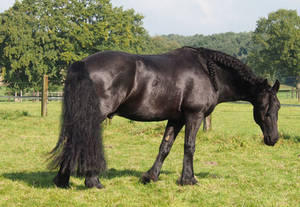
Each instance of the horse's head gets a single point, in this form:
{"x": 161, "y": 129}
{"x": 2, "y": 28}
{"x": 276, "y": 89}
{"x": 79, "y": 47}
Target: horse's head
{"x": 265, "y": 111}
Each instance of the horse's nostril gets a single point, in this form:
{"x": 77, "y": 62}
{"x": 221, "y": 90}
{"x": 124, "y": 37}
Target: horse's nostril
{"x": 268, "y": 141}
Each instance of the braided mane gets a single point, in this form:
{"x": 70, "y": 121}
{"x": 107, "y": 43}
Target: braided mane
{"x": 214, "y": 58}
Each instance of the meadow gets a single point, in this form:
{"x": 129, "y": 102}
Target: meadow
{"x": 232, "y": 165}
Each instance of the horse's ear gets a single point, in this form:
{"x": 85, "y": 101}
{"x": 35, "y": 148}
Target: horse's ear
{"x": 265, "y": 83}
{"x": 276, "y": 86}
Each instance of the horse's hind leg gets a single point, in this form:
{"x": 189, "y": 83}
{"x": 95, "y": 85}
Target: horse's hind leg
{"x": 92, "y": 176}
{"x": 62, "y": 178}
{"x": 172, "y": 130}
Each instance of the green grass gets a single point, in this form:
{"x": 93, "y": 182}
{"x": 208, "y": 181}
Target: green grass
{"x": 232, "y": 165}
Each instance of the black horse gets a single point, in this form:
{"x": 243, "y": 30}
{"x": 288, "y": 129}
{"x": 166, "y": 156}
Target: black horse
{"x": 182, "y": 86}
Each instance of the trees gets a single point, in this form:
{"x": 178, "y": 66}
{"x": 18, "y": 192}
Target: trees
{"x": 40, "y": 37}
{"x": 44, "y": 36}
{"x": 278, "y": 45}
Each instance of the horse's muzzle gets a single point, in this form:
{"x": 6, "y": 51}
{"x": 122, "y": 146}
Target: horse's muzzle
{"x": 270, "y": 141}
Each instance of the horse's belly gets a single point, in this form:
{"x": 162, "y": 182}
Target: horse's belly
{"x": 149, "y": 111}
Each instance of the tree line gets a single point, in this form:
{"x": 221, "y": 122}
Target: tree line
{"x": 40, "y": 37}
{"x": 235, "y": 44}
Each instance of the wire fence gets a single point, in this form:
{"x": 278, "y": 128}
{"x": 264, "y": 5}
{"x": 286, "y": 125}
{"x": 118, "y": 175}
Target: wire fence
{"x": 19, "y": 97}
{"x": 290, "y": 94}
{"x": 29, "y": 94}
{"x": 290, "y": 97}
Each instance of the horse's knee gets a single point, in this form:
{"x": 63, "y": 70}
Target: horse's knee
{"x": 189, "y": 149}
{"x": 165, "y": 149}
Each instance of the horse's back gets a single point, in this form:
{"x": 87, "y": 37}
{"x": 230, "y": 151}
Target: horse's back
{"x": 148, "y": 87}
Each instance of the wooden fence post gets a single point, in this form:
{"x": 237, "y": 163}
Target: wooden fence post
{"x": 16, "y": 95}
{"x": 207, "y": 125}
{"x": 21, "y": 95}
{"x": 44, "y": 96}
{"x": 108, "y": 121}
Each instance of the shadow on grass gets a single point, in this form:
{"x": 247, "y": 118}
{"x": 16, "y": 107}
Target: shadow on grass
{"x": 34, "y": 179}
{"x": 13, "y": 115}
{"x": 287, "y": 136}
{"x": 45, "y": 179}
{"x": 113, "y": 173}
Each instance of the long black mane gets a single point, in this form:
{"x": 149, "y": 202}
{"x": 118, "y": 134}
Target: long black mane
{"x": 216, "y": 58}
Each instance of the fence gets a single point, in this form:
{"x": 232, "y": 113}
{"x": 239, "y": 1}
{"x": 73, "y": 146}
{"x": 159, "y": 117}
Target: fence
{"x": 52, "y": 96}
{"x": 290, "y": 94}
{"x": 33, "y": 95}
{"x": 47, "y": 95}
{"x": 9, "y": 96}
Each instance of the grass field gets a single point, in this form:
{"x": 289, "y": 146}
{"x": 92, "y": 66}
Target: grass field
{"x": 232, "y": 165}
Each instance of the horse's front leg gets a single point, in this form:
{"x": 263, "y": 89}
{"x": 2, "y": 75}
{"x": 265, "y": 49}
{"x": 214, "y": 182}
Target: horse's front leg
{"x": 92, "y": 180}
{"x": 193, "y": 122}
{"x": 171, "y": 131}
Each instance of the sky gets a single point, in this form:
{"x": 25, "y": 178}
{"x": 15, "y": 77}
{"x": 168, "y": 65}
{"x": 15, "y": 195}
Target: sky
{"x": 189, "y": 17}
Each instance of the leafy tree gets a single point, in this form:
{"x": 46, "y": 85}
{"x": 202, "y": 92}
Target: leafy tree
{"x": 44, "y": 36}
{"x": 278, "y": 45}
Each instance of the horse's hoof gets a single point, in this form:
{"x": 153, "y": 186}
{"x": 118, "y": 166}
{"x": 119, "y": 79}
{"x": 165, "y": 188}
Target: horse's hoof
{"x": 187, "y": 181}
{"x": 147, "y": 178}
{"x": 93, "y": 182}
{"x": 60, "y": 184}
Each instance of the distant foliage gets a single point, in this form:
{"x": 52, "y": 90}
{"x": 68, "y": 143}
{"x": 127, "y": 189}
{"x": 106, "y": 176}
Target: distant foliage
{"x": 160, "y": 44}
{"x": 44, "y": 36}
{"x": 235, "y": 44}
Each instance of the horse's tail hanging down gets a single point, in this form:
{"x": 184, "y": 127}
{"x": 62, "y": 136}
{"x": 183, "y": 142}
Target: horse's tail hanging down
{"x": 79, "y": 148}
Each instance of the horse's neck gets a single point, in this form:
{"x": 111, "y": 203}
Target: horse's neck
{"x": 232, "y": 90}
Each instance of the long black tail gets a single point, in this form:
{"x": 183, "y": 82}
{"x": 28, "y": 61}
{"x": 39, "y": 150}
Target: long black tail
{"x": 79, "y": 148}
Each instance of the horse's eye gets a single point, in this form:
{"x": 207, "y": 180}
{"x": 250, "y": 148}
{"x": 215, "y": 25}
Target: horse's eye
{"x": 267, "y": 114}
